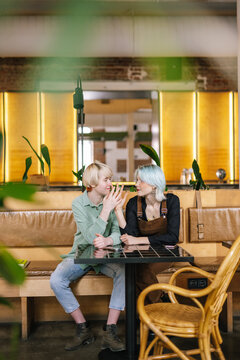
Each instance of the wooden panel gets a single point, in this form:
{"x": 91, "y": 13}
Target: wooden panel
{"x": 11, "y": 314}
{"x": 1, "y": 130}
{"x": 116, "y": 106}
{"x": 236, "y": 143}
{"x": 177, "y": 132}
{"x": 213, "y": 134}
{"x": 8, "y": 290}
{"x": 21, "y": 118}
{"x": 49, "y": 309}
{"x": 87, "y": 285}
{"x": 45, "y": 200}
{"x": 60, "y": 135}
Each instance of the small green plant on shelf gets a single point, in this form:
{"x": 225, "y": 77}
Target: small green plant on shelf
{"x": 151, "y": 152}
{"x": 197, "y": 184}
{"x": 44, "y": 154}
{"x": 79, "y": 175}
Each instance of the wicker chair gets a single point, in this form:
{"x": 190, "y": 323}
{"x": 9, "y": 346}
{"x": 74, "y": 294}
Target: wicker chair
{"x": 187, "y": 321}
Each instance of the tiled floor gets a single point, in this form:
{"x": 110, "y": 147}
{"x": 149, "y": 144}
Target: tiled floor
{"x": 47, "y": 343}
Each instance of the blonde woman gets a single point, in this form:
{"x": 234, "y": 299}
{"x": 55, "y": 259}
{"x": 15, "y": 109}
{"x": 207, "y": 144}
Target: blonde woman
{"x": 96, "y": 225}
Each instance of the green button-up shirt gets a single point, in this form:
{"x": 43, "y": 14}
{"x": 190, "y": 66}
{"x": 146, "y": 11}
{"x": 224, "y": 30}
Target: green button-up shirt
{"x": 86, "y": 215}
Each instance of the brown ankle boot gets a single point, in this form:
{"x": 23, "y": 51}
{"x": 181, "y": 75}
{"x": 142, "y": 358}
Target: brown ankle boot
{"x": 83, "y": 336}
{"x": 111, "y": 340}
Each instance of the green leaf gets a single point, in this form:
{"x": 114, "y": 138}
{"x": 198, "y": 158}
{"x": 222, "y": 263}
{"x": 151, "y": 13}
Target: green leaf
{"x": 198, "y": 183}
{"x": 5, "y": 302}
{"x": 149, "y": 150}
{"x": 9, "y": 268}
{"x": 79, "y": 174}
{"x": 46, "y": 156}
{"x": 195, "y": 169}
{"x": 28, "y": 162}
{"x": 18, "y": 191}
{"x": 41, "y": 161}
{"x": 132, "y": 188}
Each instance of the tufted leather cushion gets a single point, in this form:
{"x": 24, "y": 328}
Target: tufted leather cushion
{"x": 29, "y": 228}
{"x": 37, "y": 228}
{"x": 219, "y": 224}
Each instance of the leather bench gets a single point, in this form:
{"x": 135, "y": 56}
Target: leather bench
{"x": 53, "y": 229}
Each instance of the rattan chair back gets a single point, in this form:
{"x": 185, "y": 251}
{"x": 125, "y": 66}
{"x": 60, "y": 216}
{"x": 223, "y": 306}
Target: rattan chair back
{"x": 176, "y": 319}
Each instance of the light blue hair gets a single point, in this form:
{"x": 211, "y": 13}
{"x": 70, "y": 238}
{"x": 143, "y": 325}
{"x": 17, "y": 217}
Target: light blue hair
{"x": 154, "y": 176}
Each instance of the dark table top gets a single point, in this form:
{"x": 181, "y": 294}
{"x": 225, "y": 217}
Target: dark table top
{"x": 88, "y": 254}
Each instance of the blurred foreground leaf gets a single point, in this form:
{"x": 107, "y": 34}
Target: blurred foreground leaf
{"x": 18, "y": 191}
{"x": 9, "y": 268}
{"x": 4, "y": 301}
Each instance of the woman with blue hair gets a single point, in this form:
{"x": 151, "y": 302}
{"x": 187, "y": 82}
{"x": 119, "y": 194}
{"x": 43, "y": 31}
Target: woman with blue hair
{"x": 152, "y": 218}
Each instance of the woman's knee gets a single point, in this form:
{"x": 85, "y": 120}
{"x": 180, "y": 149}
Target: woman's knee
{"x": 120, "y": 272}
{"x": 57, "y": 281}
{"x": 54, "y": 281}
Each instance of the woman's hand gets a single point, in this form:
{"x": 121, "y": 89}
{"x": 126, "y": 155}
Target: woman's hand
{"x": 121, "y": 199}
{"x": 111, "y": 200}
{"x": 133, "y": 240}
{"x": 129, "y": 239}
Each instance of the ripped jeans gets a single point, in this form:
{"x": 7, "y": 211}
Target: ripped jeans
{"x": 67, "y": 271}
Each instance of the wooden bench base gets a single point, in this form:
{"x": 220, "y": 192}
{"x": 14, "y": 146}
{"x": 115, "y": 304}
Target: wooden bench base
{"x": 37, "y": 284}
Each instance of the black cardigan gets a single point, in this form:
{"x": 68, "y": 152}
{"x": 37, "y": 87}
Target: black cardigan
{"x": 173, "y": 221}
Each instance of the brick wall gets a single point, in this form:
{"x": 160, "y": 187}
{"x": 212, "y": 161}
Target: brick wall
{"x": 25, "y": 74}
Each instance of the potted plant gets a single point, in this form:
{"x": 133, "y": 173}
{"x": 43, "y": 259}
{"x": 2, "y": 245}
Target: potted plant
{"x": 198, "y": 183}
{"x": 79, "y": 176}
{"x": 151, "y": 152}
{"x": 39, "y": 179}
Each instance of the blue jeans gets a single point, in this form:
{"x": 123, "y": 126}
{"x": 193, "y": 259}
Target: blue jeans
{"x": 67, "y": 271}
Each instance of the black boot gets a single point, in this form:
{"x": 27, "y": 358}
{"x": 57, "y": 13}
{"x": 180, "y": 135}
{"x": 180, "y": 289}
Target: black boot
{"x": 110, "y": 339}
{"x": 83, "y": 336}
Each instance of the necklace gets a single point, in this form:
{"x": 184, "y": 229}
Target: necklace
{"x": 152, "y": 213}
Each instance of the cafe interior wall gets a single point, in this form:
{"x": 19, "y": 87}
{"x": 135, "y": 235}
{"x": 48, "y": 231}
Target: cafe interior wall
{"x": 57, "y": 126}
{"x": 210, "y": 66}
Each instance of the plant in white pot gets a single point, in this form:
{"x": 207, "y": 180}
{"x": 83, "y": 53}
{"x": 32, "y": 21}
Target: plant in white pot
{"x": 39, "y": 179}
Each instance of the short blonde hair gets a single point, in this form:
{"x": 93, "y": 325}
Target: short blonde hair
{"x": 91, "y": 174}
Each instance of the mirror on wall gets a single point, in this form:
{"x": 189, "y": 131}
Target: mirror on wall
{"x": 116, "y": 123}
